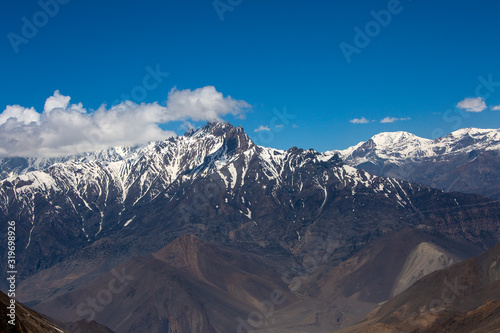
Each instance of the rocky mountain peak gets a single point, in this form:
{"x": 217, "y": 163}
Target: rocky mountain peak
{"x": 235, "y": 139}
{"x": 216, "y": 128}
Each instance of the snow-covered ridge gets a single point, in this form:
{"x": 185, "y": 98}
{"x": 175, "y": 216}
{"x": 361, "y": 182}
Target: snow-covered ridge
{"x": 385, "y": 139}
{"x": 196, "y": 152}
{"x": 395, "y": 147}
{"x": 391, "y": 146}
{"x": 468, "y": 139}
{"x": 217, "y": 147}
{"x": 12, "y": 167}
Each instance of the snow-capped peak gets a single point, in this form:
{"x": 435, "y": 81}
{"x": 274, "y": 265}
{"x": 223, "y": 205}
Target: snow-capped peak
{"x": 395, "y": 138}
{"x": 387, "y": 145}
{"x": 468, "y": 139}
{"x": 403, "y": 147}
{"x": 476, "y": 133}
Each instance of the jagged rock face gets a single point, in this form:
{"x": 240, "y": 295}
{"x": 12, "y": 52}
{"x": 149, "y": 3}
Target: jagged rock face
{"x": 218, "y": 185}
{"x": 467, "y": 160}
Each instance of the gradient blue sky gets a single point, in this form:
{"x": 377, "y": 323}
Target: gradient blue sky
{"x": 271, "y": 54}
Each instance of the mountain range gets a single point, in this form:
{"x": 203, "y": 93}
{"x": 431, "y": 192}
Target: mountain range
{"x": 209, "y": 232}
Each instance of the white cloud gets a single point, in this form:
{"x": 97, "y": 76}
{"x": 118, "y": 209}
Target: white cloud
{"x": 495, "y": 108}
{"x": 361, "y": 120}
{"x": 393, "y": 119}
{"x": 202, "y": 104}
{"x": 279, "y": 126}
{"x": 262, "y": 128}
{"x": 472, "y": 104}
{"x": 57, "y": 101}
{"x": 19, "y": 114}
{"x": 63, "y": 129}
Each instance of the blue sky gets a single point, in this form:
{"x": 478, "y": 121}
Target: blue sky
{"x": 282, "y": 55}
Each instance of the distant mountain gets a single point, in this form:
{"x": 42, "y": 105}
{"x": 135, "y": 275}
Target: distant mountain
{"x": 77, "y": 220}
{"x": 15, "y": 166}
{"x": 467, "y": 160}
{"x": 461, "y": 298}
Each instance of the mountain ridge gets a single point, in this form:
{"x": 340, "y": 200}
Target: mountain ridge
{"x": 466, "y": 160}
{"x": 12, "y": 167}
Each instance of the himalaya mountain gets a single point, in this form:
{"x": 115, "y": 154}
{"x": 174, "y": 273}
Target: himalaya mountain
{"x": 467, "y": 160}
{"x": 83, "y": 218}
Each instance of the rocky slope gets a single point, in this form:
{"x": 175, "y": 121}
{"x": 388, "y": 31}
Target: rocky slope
{"x": 26, "y": 320}
{"x": 463, "y": 297}
{"x": 203, "y": 289}
{"x": 484, "y": 319}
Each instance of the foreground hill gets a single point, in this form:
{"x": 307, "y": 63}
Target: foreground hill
{"x": 26, "y": 319}
{"x": 192, "y": 286}
{"x": 29, "y": 321}
{"x": 188, "y": 286}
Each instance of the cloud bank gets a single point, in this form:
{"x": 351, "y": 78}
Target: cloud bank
{"x": 63, "y": 128}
